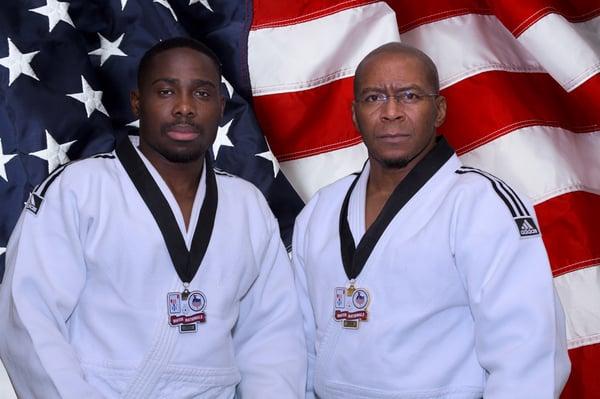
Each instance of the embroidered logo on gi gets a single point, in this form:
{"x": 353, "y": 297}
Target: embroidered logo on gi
{"x": 526, "y": 226}
{"x": 34, "y": 202}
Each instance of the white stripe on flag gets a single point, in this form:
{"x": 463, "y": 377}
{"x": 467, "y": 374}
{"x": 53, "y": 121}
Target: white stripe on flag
{"x": 470, "y": 44}
{"x": 568, "y": 51}
{"x": 319, "y": 51}
{"x": 578, "y": 291}
{"x": 542, "y": 162}
{"x": 308, "y": 175}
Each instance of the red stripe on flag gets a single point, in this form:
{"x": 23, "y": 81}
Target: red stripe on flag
{"x": 309, "y": 122}
{"x": 411, "y": 14}
{"x": 273, "y": 13}
{"x": 491, "y": 104}
{"x": 583, "y": 382}
{"x": 570, "y": 225}
{"x": 481, "y": 109}
{"x": 518, "y": 15}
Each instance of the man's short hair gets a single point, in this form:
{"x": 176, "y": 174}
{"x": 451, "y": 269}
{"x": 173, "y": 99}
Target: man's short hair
{"x": 172, "y": 43}
{"x": 400, "y": 48}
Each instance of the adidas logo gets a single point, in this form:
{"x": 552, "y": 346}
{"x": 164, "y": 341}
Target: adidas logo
{"x": 526, "y": 226}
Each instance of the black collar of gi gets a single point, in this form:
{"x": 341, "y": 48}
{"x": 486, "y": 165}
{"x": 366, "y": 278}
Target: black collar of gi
{"x": 186, "y": 262}
{"x": 354, "y": 258}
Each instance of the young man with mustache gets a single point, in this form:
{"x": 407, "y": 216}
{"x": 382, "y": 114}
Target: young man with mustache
{"x": 144, "y": 273}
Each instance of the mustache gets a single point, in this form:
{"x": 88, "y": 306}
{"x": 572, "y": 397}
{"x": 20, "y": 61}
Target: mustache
{"x": 188, "y": 124}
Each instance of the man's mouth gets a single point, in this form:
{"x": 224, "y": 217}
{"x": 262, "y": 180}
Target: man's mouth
{"x": 393, "y": 138}
{"x": 182, "y": 132}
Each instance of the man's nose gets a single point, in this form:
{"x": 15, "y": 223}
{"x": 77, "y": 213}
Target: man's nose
{"x": 392, "y": 109}
{"x": 184, "y": 105}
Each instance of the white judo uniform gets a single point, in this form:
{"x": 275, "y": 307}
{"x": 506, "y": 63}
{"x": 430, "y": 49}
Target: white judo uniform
{"x": 83, "y": 304}
{"x": 462, "y": 303}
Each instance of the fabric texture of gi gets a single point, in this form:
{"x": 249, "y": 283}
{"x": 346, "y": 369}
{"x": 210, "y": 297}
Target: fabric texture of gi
{"x": 83, "y": 306}
{"x": 462, "y": 303}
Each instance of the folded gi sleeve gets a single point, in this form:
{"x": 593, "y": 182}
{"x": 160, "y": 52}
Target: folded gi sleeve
{"x": 45, "y": 274}
{"x": 519, "y": 323}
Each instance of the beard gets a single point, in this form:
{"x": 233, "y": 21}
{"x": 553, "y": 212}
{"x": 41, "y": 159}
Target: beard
{"x": 398, "y": 163}
{"x": 402, "y": 162}
{"x": 187, "y": 152}
{"x": 190, "y": 155}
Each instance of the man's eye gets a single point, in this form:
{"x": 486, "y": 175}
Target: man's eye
{"x": 165, "y": 92}
{"x": 202, "y": 93}
{"x": 410, "y": 96}
{"x": 372, "y": 98}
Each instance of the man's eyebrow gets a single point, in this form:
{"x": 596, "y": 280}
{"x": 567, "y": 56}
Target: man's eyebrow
{"x": 165, "y": 80}
{"x": 372, "y": 90}
{"x": 196, "y": 82}
{"x": 380, "y": 89}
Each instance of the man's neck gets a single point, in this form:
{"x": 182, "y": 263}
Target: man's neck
{"x": 182, "y": 178}
{"x": 382, "y": 182}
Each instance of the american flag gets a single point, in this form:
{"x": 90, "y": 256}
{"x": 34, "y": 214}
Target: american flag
{"x": 521, "y": 77}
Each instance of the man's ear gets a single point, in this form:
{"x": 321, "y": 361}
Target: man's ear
{"x": 354, "y": 115}
{"x": 223, "y": 101}
{"x": 440, "y": 104}
{"x": 134, "y": 101}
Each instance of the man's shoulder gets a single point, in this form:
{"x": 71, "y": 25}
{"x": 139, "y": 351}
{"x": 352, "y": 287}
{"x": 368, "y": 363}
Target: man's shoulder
{"x": 496, "y": 198}
{"x": 238, "y": 190}
{"x": 74, "y": 175}
{"x": 79, "y": 169}
{"x": 235, "y": 185}
{"x": 336, "y": 189}
{"x": 326, "y": 200}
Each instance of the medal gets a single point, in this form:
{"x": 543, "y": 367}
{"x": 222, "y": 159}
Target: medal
{"x": 351, "y": 305}
{"x": 185, "y": 309}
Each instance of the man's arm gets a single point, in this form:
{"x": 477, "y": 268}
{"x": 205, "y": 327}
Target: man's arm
{"x": 298, "y": 250}
{"x": 519, "y": 322}
{"x": 45, "y": 274}
{"x": 268, "y": 338}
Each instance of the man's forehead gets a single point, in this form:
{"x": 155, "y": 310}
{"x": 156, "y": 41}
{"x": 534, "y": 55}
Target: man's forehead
{"x": 391, "y": 59}
{"x": 182, "y": 57}
{"x": 395, "y": 69}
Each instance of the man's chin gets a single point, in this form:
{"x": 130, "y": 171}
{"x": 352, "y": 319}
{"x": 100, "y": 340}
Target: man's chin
{"x": 183, "y": 157}
{"x": 397, "y": 163}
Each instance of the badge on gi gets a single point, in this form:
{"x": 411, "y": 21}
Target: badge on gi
{"x": 186, "y": 310}
{"x": 350, "y": 306}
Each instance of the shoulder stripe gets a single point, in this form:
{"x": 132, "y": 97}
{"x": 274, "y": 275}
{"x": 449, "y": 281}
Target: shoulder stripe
{"x": 43, "y": 186}
{"x": 106, "y": 156}
{"x": 221, "y": 172}
{"x": 513, "y": 195}
{"x": 505, "y": 192}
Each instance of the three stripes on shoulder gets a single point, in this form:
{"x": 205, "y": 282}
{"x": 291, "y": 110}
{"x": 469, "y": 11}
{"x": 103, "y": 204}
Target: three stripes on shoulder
{"x": 525, "y": 223}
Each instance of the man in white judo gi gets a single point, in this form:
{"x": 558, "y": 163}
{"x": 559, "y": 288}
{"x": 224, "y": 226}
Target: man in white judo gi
{"x": 144, "y": 273}
{"x": 426, "y": 279}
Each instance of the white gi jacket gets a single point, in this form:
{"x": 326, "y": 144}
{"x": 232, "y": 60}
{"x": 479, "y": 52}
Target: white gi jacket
{"x": 83, "y": 304}
{"x": 462, "y": 303}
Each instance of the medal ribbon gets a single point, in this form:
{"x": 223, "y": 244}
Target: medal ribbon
{"x": 354, "y": 257}
{"x": 186, "y": 262}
